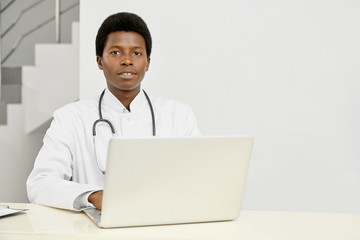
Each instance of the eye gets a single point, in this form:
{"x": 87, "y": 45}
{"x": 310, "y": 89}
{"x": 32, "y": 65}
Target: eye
{"x": 137, "y": 53}
{"x": 115, "y": 52}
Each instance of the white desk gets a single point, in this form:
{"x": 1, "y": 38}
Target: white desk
{"x": 41, "y": 222}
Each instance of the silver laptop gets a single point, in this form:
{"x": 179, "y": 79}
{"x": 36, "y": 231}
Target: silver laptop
{"x": 155, "y": 181}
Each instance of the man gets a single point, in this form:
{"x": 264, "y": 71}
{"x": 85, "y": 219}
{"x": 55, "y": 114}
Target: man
{"x": 69, "y": 169}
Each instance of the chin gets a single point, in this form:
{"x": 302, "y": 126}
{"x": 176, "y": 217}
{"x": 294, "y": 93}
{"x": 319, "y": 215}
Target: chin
{"x": 124, "y": 86}
{"x": 128, "y": 88}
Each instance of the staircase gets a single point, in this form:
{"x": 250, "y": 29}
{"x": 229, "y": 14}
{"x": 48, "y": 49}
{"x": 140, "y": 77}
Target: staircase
{"x": 52, "y": 82}
{"x": 30, "y": 94}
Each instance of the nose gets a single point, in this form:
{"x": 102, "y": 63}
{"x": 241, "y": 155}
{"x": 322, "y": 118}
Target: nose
{"x": 127, "y": 60}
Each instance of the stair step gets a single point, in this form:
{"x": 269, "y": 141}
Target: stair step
{"x": 51, "y": 83}
{"x": 10, "y": 90}
{"x": 11, "y": 84}
{"x": 10, "y": 75}
{"x": 3, "y": 113}
{"x": 11, "y": 93}
{"x": 42, "y": 51}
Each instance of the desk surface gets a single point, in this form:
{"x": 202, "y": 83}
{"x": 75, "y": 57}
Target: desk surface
{"x": 41, "y": 222}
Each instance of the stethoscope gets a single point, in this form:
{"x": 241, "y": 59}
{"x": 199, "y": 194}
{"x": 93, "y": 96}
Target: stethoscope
{"x": 101, "y": 119}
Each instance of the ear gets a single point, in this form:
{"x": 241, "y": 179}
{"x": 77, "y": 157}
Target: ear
{"x": 99, "y": 62}
{"x": 147, "y": 64}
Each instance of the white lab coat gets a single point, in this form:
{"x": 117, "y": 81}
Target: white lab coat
{"x": 66, "y": 166}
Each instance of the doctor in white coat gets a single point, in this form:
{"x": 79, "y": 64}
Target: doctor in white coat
{"x": 69, "y": 169}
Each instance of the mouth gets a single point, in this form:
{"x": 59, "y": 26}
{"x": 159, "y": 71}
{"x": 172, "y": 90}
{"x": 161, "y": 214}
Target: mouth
{"x": 127, "y": 73}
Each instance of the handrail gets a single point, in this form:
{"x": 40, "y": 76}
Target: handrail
{"x": 8, "y": 5}
{"x": 33, "y": 30}
{"x": 19, "y": 16}
{"x": 57, "y": 21}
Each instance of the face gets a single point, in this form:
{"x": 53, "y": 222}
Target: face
{"x": 124, "y": 62}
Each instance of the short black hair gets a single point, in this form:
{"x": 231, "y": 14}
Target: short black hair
{"x": 122, "y": 21}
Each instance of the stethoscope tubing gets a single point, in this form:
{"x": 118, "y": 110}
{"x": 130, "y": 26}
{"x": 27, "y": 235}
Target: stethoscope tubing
{"x": 101, "y": 119}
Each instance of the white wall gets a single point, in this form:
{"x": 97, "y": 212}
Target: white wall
{"x": 17, "y": 154}
{"x": 285, "y": 71}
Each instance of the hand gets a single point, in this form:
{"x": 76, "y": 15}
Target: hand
{"x": 96, "y": 199}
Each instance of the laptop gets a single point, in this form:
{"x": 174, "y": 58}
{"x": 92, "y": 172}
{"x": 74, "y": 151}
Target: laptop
{"x": 157, "y": 181}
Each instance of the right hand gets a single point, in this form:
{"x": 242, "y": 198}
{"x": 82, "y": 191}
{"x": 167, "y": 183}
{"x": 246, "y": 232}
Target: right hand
{"x": 96, "y": 199}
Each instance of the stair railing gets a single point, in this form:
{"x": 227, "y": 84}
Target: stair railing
{"x": 58, "y": 13}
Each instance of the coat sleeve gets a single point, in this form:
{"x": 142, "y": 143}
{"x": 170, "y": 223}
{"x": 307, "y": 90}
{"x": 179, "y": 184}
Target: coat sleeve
{"x": 190, "y": 123}
{"x": 50, "y": 183}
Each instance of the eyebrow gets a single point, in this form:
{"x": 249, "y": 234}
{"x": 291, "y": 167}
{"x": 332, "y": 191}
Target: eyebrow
{"x": 121, "y": 47}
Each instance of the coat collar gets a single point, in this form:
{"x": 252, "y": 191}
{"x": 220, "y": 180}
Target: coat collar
{"x": 110, "y": 101}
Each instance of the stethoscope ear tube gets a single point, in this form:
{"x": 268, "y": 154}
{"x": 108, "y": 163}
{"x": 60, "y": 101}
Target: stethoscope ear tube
{"x": 102, "y": 120}
{"x": 110, "y": 124}
{"x": 152, "y": 113}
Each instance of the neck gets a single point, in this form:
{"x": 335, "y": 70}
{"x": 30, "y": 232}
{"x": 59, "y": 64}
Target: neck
{"x": 125, "y": 96}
